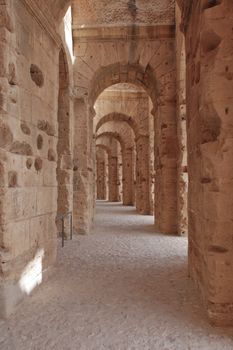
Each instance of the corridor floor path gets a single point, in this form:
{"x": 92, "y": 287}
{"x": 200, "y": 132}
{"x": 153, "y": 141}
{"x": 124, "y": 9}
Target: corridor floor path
{"x": 122, "y": 288}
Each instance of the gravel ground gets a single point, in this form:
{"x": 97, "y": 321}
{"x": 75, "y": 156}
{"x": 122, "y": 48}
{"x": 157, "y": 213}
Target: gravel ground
{"x": 123, "y": 288}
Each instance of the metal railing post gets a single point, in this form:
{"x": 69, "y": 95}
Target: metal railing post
{"x": 63, "y": 232}
{"x": 71, "y": 226}
{"x": 62, "y": 218}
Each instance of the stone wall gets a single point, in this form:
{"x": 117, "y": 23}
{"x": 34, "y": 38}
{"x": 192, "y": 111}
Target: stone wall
{"x": 29, "y": 73}
{"x": 209, "y": 56}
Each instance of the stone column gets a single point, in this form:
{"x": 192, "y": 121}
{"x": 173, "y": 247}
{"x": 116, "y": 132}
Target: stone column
{"x": 152, "y": 158}
{"x": 209, "y": 58}
{"x": 64, "y": 157}
{"x": 143, "y": 175}
{"x": 120, "y": 172}
{"x": 113, "y": 179}
{"x": 83, "y": 168}
{"x": 128, "y": 178}
{"x": 101, "y": 180}
{"x": 166, "y": 168}
{"x": 182, "y": 170}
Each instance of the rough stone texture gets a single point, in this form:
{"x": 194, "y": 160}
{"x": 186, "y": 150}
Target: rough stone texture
{"x": 122, "y": 12}
{"x": 182, "y": 170}
{"x": 125, "y": 77}
{"x": 124, "y": 287}
{"x": 101, "y": 175}
{"x": 28, "y": 193}
{"x": 145, "y": 58}
{"x": 209, "y": 58}
{"x": 84, "y": 177}
{"x": 64, "y": 145}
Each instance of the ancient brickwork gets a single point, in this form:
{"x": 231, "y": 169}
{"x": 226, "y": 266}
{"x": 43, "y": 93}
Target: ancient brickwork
{"x": 108, "y": 142}
{"x": 142, "y": 175}
{"x": 100, "y": 174}
{"x": 29, "y": 73}
{"x": 209, "y": 117}
{"x": 130, "y": 104}
{"x": 149, "y": 63}
{"x": 124, "y": 133}
{"x": 64, "y": 146}
{"x": 120, "y": 171}
{"x": 84, "y": 176}
{"x": 182, "y": 170}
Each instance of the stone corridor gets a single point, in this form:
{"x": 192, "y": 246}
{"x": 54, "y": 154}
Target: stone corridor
{"x": 122, "y": 288}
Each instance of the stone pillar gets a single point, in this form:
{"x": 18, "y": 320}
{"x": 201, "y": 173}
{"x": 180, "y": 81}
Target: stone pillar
{"x": 83, "y": 168}
{"x": 120, "y": 172}
{"x": 143, "y": 175}
{"x": 166, "y": 168}
{"x": 209, "y": 58}
{"x": 128, "y": 177}
{"x": 113, "y": 179}
{"x": 152, "y": 158}
{"x": 182, "y": 170}
{"x": 101, "y": 180}
{"x": 64, "y": 157}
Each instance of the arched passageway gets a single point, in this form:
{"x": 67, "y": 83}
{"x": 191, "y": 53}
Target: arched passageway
{"x": 126, "y": 108}
{"x": 138, "y": 99}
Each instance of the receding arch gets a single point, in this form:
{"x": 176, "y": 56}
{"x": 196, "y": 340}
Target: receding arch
{"x": 113, "y": 165}
{"x": 105, "y": 148}
{"x": 114, "y": 135}
{"x": 118, "y": 73}
{"x": 119, "y": 117}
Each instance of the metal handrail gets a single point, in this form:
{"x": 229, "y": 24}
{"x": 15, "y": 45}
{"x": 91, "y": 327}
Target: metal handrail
{"x": 62, "y": 218}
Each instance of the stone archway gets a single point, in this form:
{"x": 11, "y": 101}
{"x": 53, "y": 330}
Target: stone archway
{"x": 109, "y": 143}
{"x": 118, "y": 117}
{"x": 153, "y": 70}
{"x": 163, "y": 96}
{"x": 124, "y": 134}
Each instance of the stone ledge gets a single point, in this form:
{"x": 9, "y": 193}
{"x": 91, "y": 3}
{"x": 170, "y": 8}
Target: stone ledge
{"x": 127, "y": 32}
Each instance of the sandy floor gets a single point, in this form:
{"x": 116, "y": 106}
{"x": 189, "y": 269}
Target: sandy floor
{"x": 123, "y": 288}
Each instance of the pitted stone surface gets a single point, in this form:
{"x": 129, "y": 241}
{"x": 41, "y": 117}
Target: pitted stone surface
{"x": 124, "y": 287}
{"x": 92, "y": 12}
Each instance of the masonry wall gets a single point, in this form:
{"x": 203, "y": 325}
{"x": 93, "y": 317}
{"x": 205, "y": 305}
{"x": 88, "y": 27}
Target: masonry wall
{"x": 209, "y": 111}
{"x": 29, "y": 76}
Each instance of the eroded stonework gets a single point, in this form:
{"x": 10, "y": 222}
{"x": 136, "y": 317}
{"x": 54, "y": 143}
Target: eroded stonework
{"x": 126, "y": 101}
{"x": 123, "y": 12}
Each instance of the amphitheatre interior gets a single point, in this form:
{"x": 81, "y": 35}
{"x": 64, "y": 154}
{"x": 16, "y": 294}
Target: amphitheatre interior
{"x": 116, "y": 125}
